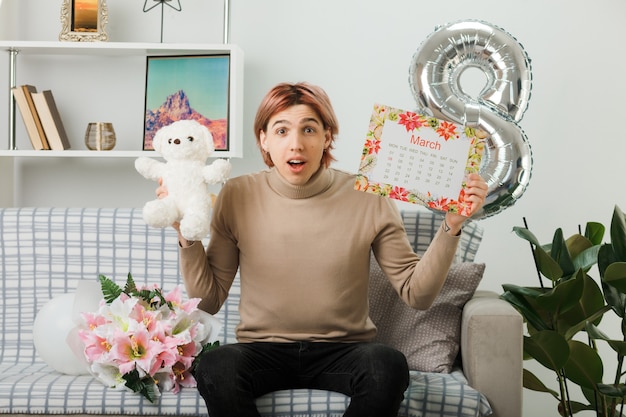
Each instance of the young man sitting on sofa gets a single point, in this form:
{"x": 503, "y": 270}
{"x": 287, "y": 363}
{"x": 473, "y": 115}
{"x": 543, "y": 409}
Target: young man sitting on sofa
{"x": 301, "y": 238}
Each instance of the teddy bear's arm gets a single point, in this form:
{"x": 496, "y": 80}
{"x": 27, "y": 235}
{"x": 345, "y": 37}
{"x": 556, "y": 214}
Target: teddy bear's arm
{"x": 149, "y": 168}
{"x": 217, "y": 172}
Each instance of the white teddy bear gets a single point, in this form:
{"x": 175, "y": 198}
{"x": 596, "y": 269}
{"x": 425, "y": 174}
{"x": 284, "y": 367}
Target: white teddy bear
{"x": 185, "y": 145}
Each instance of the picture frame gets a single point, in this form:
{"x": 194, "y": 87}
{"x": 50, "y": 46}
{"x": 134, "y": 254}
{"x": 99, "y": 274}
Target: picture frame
{"x": 84, "y": 21}
{"x": 190, "y": 87}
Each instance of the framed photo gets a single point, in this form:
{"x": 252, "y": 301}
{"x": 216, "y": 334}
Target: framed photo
{"x": 84, "y": 20}
{"x": 189, "y": 87}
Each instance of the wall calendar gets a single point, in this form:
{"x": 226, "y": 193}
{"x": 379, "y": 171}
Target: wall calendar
{"x": 419, "y": 159}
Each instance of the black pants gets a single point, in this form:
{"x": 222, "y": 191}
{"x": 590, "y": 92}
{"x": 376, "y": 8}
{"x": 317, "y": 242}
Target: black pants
{"x": 231, "y": 377}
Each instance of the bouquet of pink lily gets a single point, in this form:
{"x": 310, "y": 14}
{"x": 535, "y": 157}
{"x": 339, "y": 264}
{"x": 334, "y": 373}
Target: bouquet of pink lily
{"x": 144, "y": 340}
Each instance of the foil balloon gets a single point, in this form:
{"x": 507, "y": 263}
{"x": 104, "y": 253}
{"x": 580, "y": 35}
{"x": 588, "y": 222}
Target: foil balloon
{"x": 435, "y": 79}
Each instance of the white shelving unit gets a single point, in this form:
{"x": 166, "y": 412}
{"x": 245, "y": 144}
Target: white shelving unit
{"x": 117, "y": 52}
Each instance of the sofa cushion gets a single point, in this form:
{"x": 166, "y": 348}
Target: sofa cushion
{"x": 430, "y": 338}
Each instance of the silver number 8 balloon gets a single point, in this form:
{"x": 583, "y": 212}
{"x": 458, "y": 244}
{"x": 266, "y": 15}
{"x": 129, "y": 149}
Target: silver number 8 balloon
{"x": 435, "y": 74}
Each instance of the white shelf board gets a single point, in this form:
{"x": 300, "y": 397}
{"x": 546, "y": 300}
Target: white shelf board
{"x": 113, "y": 48}
{"x": 77, "y": 154}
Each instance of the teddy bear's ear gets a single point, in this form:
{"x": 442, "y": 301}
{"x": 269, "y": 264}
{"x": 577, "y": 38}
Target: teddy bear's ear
{"x": 208, "y": 139}
{"x": 157, "y": 141}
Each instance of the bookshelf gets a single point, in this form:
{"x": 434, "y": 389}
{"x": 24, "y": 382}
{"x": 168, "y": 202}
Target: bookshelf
{"x": 114, "y": 54}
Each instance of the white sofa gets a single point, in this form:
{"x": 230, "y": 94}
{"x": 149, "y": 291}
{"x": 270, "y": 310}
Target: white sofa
{"x": 44, "y": 252}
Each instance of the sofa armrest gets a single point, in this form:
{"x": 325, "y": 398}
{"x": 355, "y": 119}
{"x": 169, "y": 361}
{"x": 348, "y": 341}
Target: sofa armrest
{"x": 492, "y": 349}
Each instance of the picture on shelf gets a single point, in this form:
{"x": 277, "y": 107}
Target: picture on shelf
{"x": 85, "y": 16}
{"x": 84, "y": 20}
{"x": 188, "y": 87}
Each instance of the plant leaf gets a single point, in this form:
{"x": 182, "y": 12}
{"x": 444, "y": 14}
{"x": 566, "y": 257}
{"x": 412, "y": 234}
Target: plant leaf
{"x": 560, "y": 253}
{"x": 593, "y": 318}
{"x": 591, "y": 302}
{"x": 613, "y": 391}
{"x": 618, "y": 346}
{"x": 110, "y": 289}
{"x": 577, "y": 244}
{"x": 144, "y": 386}
{"x": 576, "y": 407}
{"x": 587, "y": 258}
{"x": 548, "y": 348}
{"x": 596, "y": 333}
{"x": 564, "y": 296}
{"x": 533, "y": 383}
{"x": 615, "y": 299}
{"x": 548, "y": 267}
{"x": 592, "y": 396}
{"x": 595, "y": 232}
{"x": 618, "y": 233}
{"x": 606, "y": 256}
{"x": 584, "y": 366}
{"x": 531, "y": 292}
{"x": 130, "y": 288}
{"x": 526, "y": 234}
{"x": 520, "y": 298}
{"x": 615, "y": 275}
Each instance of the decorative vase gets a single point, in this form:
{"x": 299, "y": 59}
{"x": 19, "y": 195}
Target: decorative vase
{"x": 100, "y": 136}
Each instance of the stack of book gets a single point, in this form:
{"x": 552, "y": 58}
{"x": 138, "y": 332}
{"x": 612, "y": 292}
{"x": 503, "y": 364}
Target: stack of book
{"x": 41, "y": 118}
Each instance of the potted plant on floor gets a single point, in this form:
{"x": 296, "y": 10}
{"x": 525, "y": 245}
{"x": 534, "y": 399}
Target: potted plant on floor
{"x": 563, "y": 317}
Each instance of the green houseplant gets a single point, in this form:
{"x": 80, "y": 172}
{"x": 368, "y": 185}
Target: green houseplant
{"x": 563, "y": 317}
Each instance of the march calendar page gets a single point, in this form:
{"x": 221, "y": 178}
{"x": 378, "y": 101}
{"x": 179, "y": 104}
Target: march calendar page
{"x": 419, "y": 159}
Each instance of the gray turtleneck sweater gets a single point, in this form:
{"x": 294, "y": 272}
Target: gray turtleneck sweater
{"x": 303, "y": 255}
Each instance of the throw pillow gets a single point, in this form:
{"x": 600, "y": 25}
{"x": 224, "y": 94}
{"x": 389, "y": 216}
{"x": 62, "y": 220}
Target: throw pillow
{"x": 429, "y": 339}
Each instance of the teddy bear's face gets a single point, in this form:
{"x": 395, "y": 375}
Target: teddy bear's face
{"x": 184, "y": 140}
